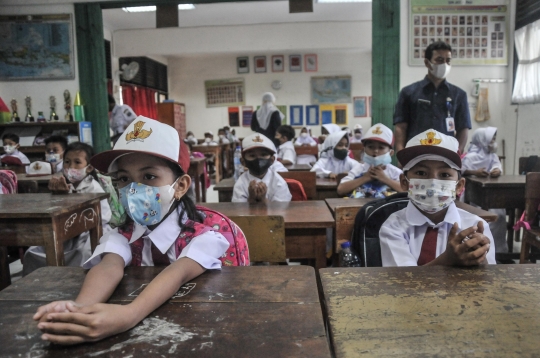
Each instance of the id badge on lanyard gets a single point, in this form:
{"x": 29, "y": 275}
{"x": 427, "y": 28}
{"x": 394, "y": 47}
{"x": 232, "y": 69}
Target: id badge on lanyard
{"x": 450, "y": 124}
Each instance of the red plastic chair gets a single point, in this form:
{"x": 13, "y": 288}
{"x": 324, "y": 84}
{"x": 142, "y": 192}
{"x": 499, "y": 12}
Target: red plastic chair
{"x": 297, "y": 190}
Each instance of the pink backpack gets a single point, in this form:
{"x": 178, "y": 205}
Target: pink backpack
{"x": 236, "y": 255}
{"x": 8, "y": 182}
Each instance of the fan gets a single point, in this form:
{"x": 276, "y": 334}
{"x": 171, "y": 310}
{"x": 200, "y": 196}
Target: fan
{"x": 128, "y": 72}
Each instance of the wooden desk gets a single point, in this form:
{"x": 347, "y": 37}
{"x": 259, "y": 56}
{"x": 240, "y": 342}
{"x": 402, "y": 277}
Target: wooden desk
{"x": 305, "y": 225}
{"x": 227, "y": 164}
{"x": 505, "y": 192}
{"x": 489, "y": 311}
{"x": 326, "y": 188}
{"x": 42, "y": 181}
{"x": 358, "y": 150}
{"x": 47, "y": 220}
{"x": 196, "y": 171}
{"x": 298, "y": 167}
{"x": 264, "y": 311}
{"x": 214, "y": 150}
{"x": 225, "y": 190}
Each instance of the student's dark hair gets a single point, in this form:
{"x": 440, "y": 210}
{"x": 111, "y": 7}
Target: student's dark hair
{"x": 287, "y": 131}
{"x": 111, "y": 99}
{"x": 367, "y": 141}
{"x": 11, "y": 136}
{"x": 57, "y": 139}
{"x": 437, "y": 45}
{"x": 88, "y": 151}
{"x": 458, "y": 173}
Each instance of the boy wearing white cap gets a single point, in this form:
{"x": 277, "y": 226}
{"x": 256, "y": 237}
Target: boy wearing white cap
{"x": 357, "y": 134}
{"x": 375, "y": 177}
{"x": 431, "y": 230}
{"x": 209, "y": 139}
{"x": 260, "y": 183}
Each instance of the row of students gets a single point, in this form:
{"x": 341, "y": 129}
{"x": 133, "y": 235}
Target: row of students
{"x": 225, "y": 136}
{"x": 11, "y": 145}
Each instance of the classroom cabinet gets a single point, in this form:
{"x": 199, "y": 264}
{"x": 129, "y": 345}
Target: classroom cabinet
{"x": 173, "y": 114}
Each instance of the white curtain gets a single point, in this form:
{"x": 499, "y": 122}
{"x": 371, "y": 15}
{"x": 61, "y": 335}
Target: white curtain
{"x": 527, "y": 85}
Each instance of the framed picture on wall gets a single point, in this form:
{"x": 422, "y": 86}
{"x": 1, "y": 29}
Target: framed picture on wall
{"x": 242, "y": 64}
{"x": 247, "y": 114}
{"x": 278, "y": 63}
{"x": 297, "y": 116}
{"x": 312, "y": 115}
{"x": 260, "y": 64}
{"x": 310, "y": 64}
{"x": 360, "y": 106}
{"x": 295, "y": 63}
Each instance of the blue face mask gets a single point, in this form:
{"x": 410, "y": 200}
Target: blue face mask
{"x": 146, "y": 205}
{"x": 378, "y": 160}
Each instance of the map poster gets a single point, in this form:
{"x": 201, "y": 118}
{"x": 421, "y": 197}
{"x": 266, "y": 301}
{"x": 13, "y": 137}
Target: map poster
{"x": 36, "y": 47}
{"x": 335, "y": 89}
{"x": 477, "y": 30}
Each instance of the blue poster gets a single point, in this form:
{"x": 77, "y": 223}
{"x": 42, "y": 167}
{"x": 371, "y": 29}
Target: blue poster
{"x": 312, "y": 115}
{"x": 331, "y": 89}
{"x": 297, "y": 116}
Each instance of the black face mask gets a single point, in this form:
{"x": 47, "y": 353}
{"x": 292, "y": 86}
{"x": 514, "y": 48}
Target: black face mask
{"x": 258, "y": 167}
{"x": 340, "y": 153}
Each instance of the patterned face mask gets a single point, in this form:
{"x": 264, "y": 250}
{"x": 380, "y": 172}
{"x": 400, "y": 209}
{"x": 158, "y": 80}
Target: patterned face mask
{"x": 75, "y": 175}
{"x": 147, "y": 205}
{"x": 432, "y": 195}
{"x": 52, "y": 158}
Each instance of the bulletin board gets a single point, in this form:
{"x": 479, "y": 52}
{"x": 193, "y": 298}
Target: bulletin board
{"x": 477, "y": 30}
{"x": 225, "y": 93}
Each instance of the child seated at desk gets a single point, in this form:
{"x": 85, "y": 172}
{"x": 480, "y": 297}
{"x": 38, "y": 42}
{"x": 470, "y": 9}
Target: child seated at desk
{"x": 431, "y": 230}
{"x": 261, "y": 183}
{"x": 11, "y": 147}
{"x": 305, "y": 140}
{"x": 376, "y": 177}
{"x": 78, "y": 176}
{"x": 336, "y": 158}
{"x": 357, "y": 134}
{"x": 55, "y": 146}
{"x": 286, "y": 153}
{"x": 222, "y": 137}
{"x": 481, "y": 160}
{"x": 150, "y": 164}
{"x": 190, "y": 138}
{"x": 209, "y": 139}
{"x": 230, "y": 135}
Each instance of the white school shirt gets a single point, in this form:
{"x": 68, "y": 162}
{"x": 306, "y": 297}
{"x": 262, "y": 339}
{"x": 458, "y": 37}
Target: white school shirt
{"x": 24, "y": 159}
{"x": 360, "y": 169}
{"x": 212, "y": 143}
{"x": 353, "y": 139}
{"x": 402, "y": 234}
{"x": 286, "y": 152}
{"x": 330, "y": 164}
{"x": 205, "y": 249}
{"x": 278, "y": 167}
{"x": 278, "y": 190}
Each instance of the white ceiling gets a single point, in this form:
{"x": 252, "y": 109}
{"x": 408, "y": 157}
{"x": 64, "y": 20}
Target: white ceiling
{"x": 240, "y": 13}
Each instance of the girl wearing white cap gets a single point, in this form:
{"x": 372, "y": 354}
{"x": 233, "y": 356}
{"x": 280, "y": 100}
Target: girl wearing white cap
{"x": 336, "y": 159}
{"x": 482, "y": 160}
{"x": 305, "y": 140}
{"x": 151, "y": 163}
{"x": 267, "y": 118}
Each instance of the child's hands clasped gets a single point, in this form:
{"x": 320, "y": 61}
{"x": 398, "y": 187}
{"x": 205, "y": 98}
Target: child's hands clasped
{"x": 482, "y": 173}
{"x": 495, "y": 173}
{"x": 257, "y": 191}
{"x": 377, "y": 173}
{"x": 468, "y": 247}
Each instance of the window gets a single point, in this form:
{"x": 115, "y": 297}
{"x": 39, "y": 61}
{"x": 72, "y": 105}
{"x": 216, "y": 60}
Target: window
{"x": 527, "y": 79}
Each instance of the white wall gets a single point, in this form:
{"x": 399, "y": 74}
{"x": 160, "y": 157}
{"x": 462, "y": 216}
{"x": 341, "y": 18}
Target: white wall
{"x": 187, "y": 76}
{"x": 40, "y": 91}
{"x": 502, "y": 113}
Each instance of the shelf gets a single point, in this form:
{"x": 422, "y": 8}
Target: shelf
{"x": 39, "y": 124}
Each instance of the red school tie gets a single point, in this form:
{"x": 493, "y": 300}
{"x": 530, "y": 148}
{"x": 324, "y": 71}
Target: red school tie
{"x": 159, "y": 258}
{"x": 429, "y": 246}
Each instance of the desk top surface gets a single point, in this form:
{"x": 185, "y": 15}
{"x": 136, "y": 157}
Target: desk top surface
{"x": 296, "y": 214}
{"x": 503, "y": 180}
{"x": 326, "y": 183}
{"x": 267, "y": 311}
{"x": 39, "y": 179}
{"x": 298, "y": 167}
{"x": 44, "y": 205}
{"x": 356, "y": 203}
{"x": 434, "y": 311}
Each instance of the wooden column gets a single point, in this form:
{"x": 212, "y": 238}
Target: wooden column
{"x": 385, "y": 60}
{"x": 92, "y": 73}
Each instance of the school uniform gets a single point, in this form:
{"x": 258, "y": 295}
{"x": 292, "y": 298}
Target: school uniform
{"x": 224, "y": 140}
{"x": 286, "y": 152}
{"x": 278, "y": 167}
{"x": 277, "y": 188}
{"x": 17, "y": 154}
{"x": 354, "y": 139}
{"x": 305, "y": 158}
{"x": 402, "y": 234}
{"x": 76, "y": 250}
{"x": 374, "y": 188}
{"x": 327, "y": 163}
{"x": 58, "y": 168}
{"x": 205, "y": 249}
{"x": 211, "y": 143}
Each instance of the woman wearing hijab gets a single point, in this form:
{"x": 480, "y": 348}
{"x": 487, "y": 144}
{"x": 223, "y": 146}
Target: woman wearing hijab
{"x": 267, "y": 119}
{"x": 481, "y": 160}
{"x": 336, "y": 159}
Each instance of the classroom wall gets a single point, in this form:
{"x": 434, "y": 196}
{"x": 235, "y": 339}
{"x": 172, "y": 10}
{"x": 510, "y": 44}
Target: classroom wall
{"x": 40, "y": 91}
{"x": 503, "y": 115}
{"x": 187, "y": 76}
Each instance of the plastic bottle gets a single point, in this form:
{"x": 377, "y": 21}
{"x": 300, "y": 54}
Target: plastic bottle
{"x": 347, "y": 257}
{"x": 238, "y": 167}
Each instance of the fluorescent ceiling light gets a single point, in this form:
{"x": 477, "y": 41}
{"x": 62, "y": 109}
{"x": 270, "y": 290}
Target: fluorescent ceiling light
{"x": 153, "y": 8}
{"x": 336, "y": 1}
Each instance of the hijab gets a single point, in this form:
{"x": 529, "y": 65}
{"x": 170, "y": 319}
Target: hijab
{"x": 267, "y": 108}
{"x": 331, "y": 128}
{"x": 478, "y": 155}
{"x": 332, "y": 140}
{"x": 305, "y": 140}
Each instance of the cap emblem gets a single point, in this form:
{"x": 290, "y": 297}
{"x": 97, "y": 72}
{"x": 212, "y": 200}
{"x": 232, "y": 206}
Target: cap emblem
{"x": 138, "y": 133}
{"x": 258, "y": 139}
{"x": 377, "y": 130}
{"x": 431, "y": 140}
{"x": 37, "y": 166}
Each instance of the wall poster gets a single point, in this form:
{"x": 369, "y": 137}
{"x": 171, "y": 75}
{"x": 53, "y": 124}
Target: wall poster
{"x": 477, "y": 30}
{"x": 225, "y": 93}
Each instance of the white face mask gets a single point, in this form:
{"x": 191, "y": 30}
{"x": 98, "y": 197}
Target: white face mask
{"x": 358, "y": 135}
{"x": 9, "y": 149}
{"x": 207, "y": 140}
{"x": 190, "y": 137}
{"x": 432, "y": 195}
{"x": 75, "y": 175}
{"x": 382, "y": 159}
{"x": 303, "y": 135}
{"x": 493, "y": 147}
{"x": 52, "y": 158}
{"x": 221, "y": 136}
{"x": 440, "y": 71}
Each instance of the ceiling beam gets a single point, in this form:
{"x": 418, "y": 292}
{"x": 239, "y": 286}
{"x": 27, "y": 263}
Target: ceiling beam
{"x": 296, "y": 6}
{"x": 166, "y": 16}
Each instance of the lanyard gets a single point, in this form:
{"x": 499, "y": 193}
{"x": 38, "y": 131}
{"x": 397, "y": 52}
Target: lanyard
{"x": 449, "y": 105}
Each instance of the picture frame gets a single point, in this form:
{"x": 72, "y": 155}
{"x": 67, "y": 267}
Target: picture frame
{"x": 312, "y": 115}
{"x": 247, "y": 114}
{"x": 297, "y": 115}
{"x": 370, "y": 107}
{"x": 360, "y": 106}
{"x": 259, "y": 64}
{"x": 310, "y": 63}
{"x": 330, "y": 89}
{"x": 242, "y": 64}
{"x": 295, "y": 63}
{"x": 278, "y": 63}
{"x": 55, "y": 58}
